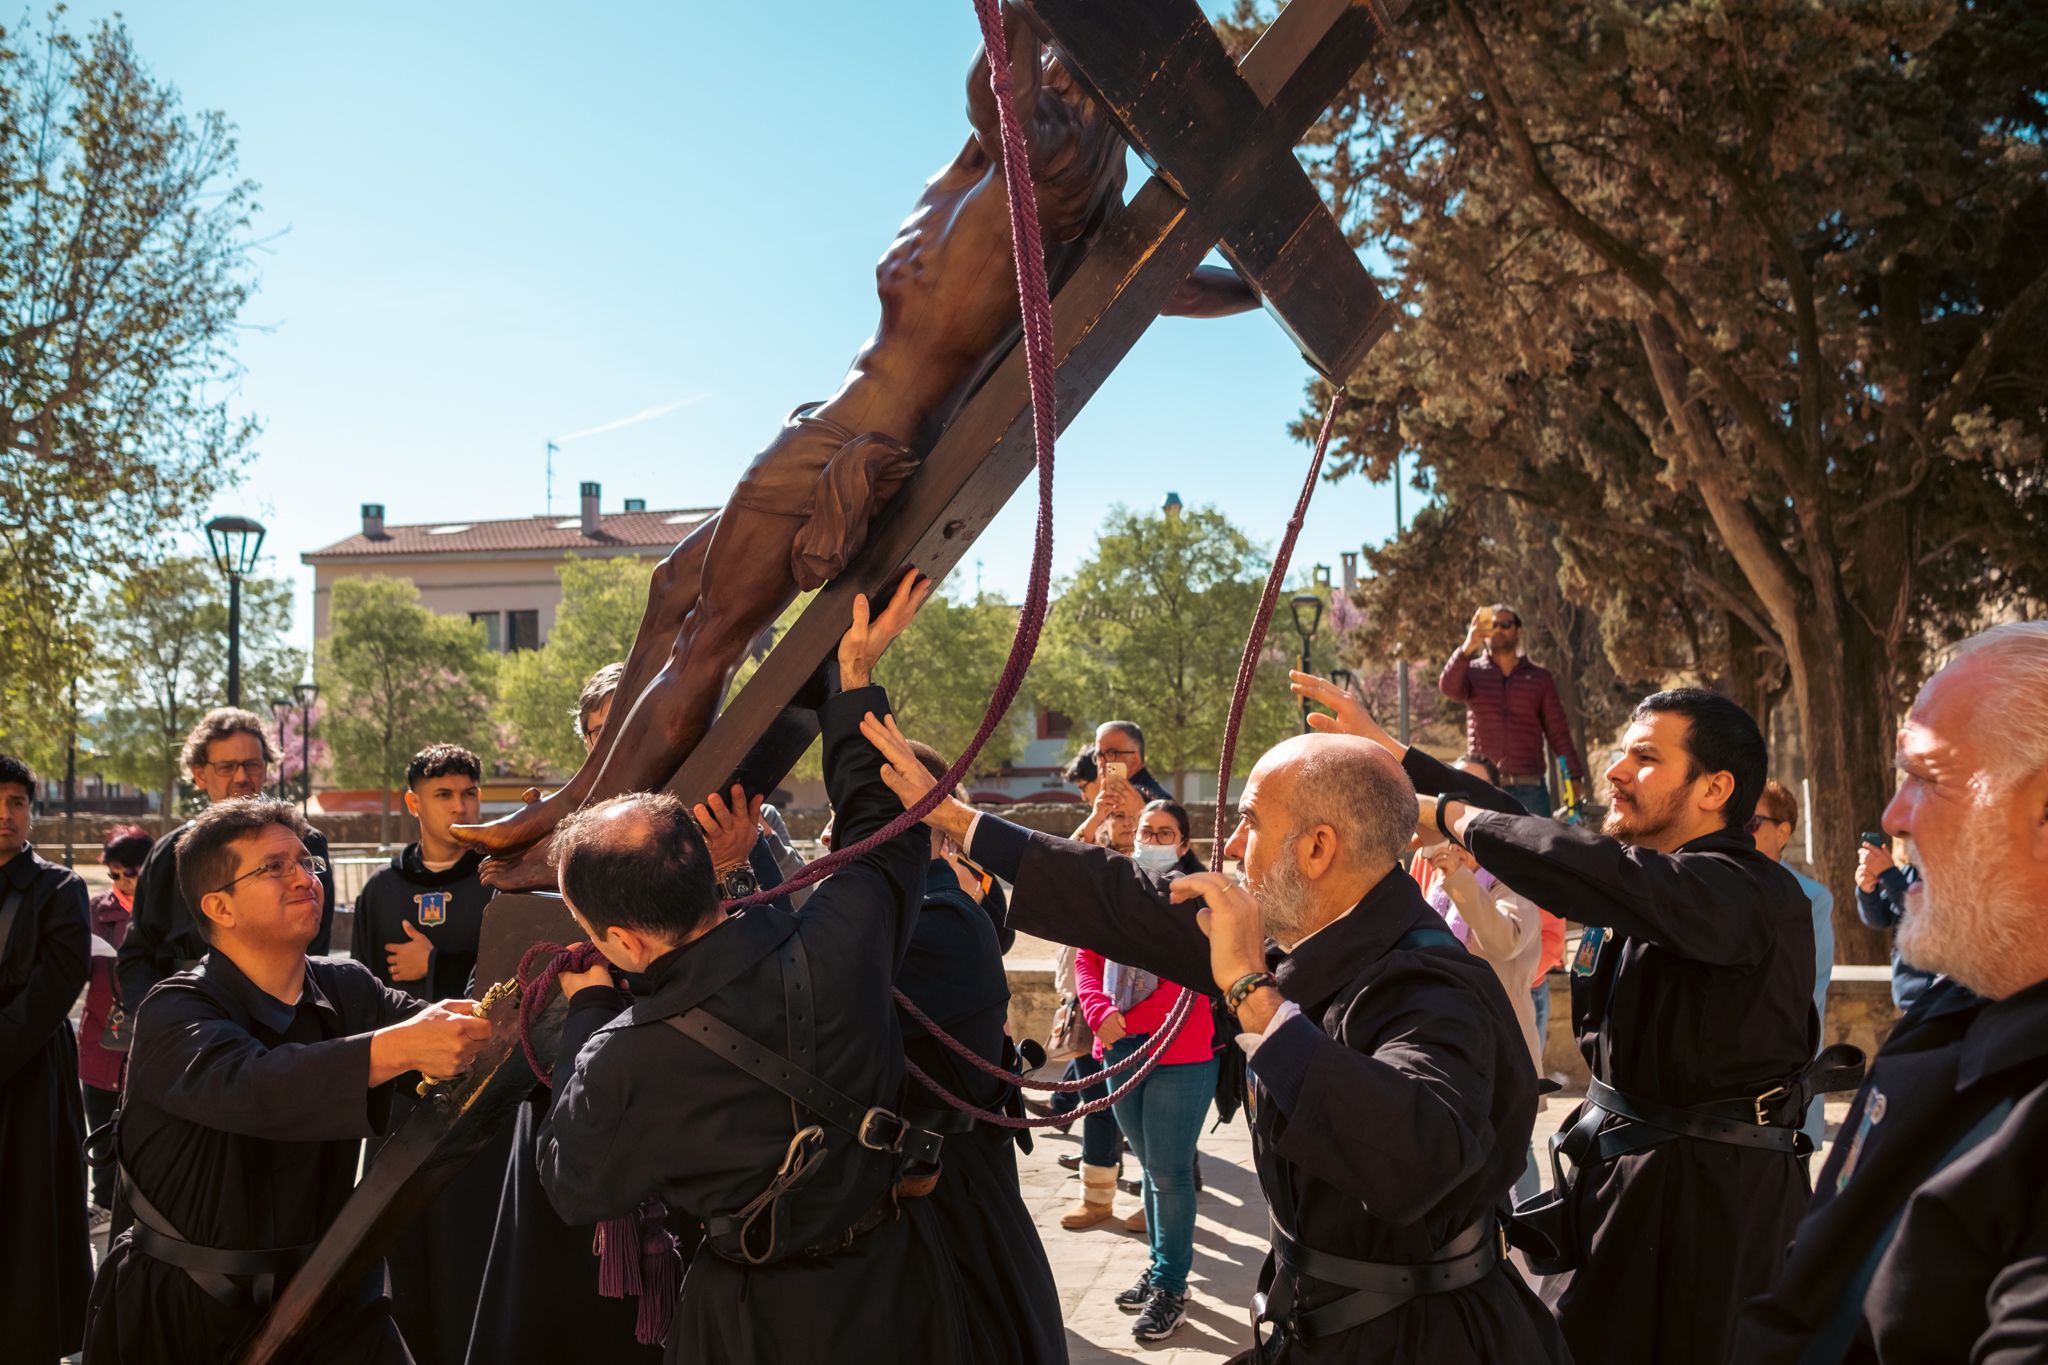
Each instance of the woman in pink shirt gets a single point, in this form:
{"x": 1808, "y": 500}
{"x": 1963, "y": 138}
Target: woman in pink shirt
{"x": 100, "y": 1068}
{"x": 1162, "y": 1118}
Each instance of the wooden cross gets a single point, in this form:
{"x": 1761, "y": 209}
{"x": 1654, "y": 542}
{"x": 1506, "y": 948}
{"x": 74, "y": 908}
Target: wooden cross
{"x": 1219, "y": 138}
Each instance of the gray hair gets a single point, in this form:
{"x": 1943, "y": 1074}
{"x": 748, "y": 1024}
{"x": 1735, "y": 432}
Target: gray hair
{"x": 220, "y": 723}
{"x": 1370, "y": 803}
{"x": 2016, "y": 657}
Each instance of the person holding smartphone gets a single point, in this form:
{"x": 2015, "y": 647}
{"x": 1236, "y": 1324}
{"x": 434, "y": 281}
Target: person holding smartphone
{"x": 1882, "y": 880}
{"x": 1511, "y": 706}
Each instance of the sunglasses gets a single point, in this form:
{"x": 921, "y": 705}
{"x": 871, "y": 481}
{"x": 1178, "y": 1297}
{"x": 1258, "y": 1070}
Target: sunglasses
{"x": 123, "y": 874}
{"x": 1507, "y": 622}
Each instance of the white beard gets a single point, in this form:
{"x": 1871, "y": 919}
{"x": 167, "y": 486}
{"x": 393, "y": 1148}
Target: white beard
{"x": 1285, "y": 901}
{"x": 1963, "y": 920}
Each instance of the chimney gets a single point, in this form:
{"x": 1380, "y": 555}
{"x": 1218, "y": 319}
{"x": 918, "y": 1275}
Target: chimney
{"x": 636, "y": 504}
{"x": 1171, "y": 507}
{"x": 590, "y": 491}
{"x": 373, "y": 521}
{"x": 1350, "y": 572}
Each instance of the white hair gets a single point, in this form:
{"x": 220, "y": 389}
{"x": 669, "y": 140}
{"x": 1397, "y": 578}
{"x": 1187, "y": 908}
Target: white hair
{"x": 2015, "y": 657}
{"x": 1370, "y": 804}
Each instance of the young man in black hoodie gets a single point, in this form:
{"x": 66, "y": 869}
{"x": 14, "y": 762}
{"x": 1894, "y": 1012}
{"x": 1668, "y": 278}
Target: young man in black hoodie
{"x": 416, "y": 926}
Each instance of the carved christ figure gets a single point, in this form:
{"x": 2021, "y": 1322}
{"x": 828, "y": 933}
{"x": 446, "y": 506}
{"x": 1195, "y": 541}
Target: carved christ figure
{"x": 801, "y": 510}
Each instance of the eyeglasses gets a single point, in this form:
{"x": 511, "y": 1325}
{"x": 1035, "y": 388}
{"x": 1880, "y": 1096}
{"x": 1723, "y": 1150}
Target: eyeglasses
{"x": 1116, "y": 755}
{"x": 277, "y": 869}
{"x": 1507, "y": 622}
{"x": 255, "y": 767}
{"x": 1757, "y": 822}
{"x": 1159, "y": 836}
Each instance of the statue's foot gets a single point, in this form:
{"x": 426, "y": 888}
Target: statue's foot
{"x": 511, "y": 833}
{"x": 530, "y": 870}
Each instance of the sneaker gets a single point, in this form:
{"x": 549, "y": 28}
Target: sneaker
{"x": 1134, "y": 1299}
{"x": 1162, "y": 1317}
{"x": 1071, "y": 1162}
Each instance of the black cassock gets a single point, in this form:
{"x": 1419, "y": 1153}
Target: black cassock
{"x": 437, "y": 1267}
{"x": 1947, "y": 1137}
{"x": 954, "y": 973}
{"x": 241, "y": 1125}
{"x": 645, "y": 1111}
{"x": 1701, "y": 991}
{"x": 1417, "y": 1101}
{"x": 161, "y": 935}
{"x": 45, "y": 1262}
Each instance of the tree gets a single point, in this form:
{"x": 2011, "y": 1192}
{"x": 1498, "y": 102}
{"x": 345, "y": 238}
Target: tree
{"x": 124, "y": 260}
{"x": 943, "y": 670}
{"x": 602, "y": 600}
{"x": 397, "y": 677}
{"x": 163, "y": 663}
{"x": 1746, "y": 290}
{"x": 1151, "y": 627}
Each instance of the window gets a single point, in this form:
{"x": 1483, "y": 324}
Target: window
{"x": 1053, "y": 725}
{"x": 522, "y": 630}
{"x": 494, "y": 629}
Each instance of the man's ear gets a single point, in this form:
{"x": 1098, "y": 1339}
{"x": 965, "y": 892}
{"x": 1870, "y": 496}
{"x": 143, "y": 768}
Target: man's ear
{"x": 219, "y": 908}
{"x": 1719, "y": 790}
{"x": 412, "y": 803}
{"x": 1321, "y": 854}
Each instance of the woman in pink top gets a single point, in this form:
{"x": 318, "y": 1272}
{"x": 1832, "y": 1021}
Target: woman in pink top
{"x": 1162, "y": 1118}
{"x": 100, "y": 1068}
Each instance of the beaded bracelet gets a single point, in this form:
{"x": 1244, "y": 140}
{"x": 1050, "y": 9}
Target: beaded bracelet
{"x": 1244, "y": 986}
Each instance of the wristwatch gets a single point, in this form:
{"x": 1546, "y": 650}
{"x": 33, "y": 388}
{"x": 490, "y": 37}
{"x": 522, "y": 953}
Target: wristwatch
{"x": 739, "y": 881}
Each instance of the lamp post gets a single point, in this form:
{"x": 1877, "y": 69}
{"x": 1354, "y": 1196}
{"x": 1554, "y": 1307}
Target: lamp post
{"x": 235, "y": 542}
{"x": 1308, "y": 614}
{"x": 307, "y": 691}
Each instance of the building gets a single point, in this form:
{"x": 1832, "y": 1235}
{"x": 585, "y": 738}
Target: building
{"x": 501, "y": 573}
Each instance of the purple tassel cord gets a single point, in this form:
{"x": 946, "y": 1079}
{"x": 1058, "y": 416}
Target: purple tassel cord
{"x": 638, "y": 1256}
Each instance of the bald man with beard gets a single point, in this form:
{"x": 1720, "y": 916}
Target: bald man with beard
{"x": 1391, "y": 1095}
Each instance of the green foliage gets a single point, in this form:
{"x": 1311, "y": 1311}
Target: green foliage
{"x": 942, "y": 671}
{"x": 1151, "y": 628}
{"x": 602, "y": 602}
{"x": 163, "y": 663}
{"x": 124, "y": 260}
{"x": 396, "y": 677}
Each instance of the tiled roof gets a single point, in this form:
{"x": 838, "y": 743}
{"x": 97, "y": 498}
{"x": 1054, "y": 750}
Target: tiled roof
{"x": 616, "y": 530}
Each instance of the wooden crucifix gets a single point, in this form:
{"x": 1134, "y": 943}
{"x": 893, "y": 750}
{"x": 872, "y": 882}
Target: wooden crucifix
{"x": 1220, "y": 139}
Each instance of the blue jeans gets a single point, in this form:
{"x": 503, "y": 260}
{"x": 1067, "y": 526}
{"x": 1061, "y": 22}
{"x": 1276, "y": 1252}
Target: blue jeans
{"x": 1162, "y": 1119}
{"x": 1099, "y": 1146}
{"x": 1534, "y": 796}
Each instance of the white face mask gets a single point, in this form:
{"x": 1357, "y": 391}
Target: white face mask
{"x": 1156, "y": 857}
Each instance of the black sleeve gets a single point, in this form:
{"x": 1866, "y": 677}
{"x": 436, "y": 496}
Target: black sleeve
{"x": 62, "y": 938}
{"x": 1092, "y": 898}
{"x": 862, "y": 805}
{"x": 589, "y": 1175}
{"x": 996, "y": 906}
{"x": 316, "y": 844}
{"x": 145, "y": 955}
{"x": 1432, "y": 778}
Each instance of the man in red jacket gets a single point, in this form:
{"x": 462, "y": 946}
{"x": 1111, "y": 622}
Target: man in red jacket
{"x": 1511, "y": 707}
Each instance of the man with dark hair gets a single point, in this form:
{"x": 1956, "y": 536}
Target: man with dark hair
{"x": 1692, "y": 998}
{"x": 1121, "y": 741}
{"x": 815, "y": 1247}
{"x": 45, "y": 947}
{"x": 594, "y": 705}
{"x": 417, "y": 922}
{"x": 1511, "y": 707}
{"x": 253, "y": 1079}
{"x": 226, "y": 754}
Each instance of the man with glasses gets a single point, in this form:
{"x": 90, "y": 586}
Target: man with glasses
{"x": 228, "y": 755}
{"x": 1511, "y": 707}
{"x": 253, "y": 1079}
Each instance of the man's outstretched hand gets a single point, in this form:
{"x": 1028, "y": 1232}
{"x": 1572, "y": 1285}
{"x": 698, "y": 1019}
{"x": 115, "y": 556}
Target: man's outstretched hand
{"x": 1348, "y": 714}
{"x": 908, "y": 779}
{"x": 866, "y": 639}
{"x": 729, "y": 831}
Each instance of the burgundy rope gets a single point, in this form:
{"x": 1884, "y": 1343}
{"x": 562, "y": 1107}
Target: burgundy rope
{"x": 1162, "y": 1037}
{"x": 1248, "y": 665}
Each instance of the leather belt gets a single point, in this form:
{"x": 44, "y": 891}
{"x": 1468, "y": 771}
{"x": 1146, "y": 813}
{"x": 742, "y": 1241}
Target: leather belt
{"x": 214, "y": 1269}
{"x": 945, "y": 1121}
{"x": 866, "y": 1223}
{"x": 1523, "y": 780}
{"x": 1379, "y": 1287}
{"x": 1737, "y": 1123}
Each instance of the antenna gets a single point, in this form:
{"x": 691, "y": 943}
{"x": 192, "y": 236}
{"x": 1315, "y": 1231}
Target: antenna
{"x": 553, "y": 450}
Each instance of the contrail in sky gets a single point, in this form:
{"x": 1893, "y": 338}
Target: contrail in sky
{"x": 644, "y": 415}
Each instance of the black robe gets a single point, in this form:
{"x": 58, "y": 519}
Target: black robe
{"x": 643, "y": 1111}
{"x": 1966, "y": 1275}
{"x": 45, "y": 1261}
{"x": 954, "y": 973}
{"x": 242, "y": 1122}
{"x": 163, "y": 939}
{"x": 437, "y": 1268}
{"x": 1416, "y": 1107}
{"x": 1702, "y": 991}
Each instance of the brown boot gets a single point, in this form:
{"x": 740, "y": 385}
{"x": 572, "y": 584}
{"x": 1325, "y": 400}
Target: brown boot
{"x": 1098, "y": 1199}
{"x": 1136, "y": 1222}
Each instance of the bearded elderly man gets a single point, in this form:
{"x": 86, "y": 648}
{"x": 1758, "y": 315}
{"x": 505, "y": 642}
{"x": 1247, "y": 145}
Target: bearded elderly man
{"x": 1392, "y": 1098}
{"x": 1927, "y": 1238}
{"x": 1692, "y": 999}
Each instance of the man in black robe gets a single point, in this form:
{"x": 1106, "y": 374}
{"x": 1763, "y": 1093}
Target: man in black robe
{"x": 1692, "y": 998}
{"x": 954, "y": 974}
{"x": 1927, "y": 1238}
{"x": 1391, "y": 1096}
{"x": 815, "y": 1248}
{"x": 45, "y": 947}
{"x": 227, "y": 754}
{"x": 253, "y": 1079}
{"x": 416, "y": 927}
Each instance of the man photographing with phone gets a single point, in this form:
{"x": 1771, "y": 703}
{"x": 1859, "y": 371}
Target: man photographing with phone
{"x": 1511, "y": 707}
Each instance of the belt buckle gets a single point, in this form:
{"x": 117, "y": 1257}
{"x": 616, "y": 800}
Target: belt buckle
{"x": 876, "y": 1118}
{"x": 1777, "y": 1093}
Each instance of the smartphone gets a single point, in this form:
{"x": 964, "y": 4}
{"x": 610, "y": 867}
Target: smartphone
{"x": 1115, "y": 770}
{"x": 1875, "y": 839}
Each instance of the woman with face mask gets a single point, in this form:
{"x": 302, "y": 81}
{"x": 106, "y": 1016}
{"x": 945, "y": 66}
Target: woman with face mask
{"x": 1162, "y": 1118}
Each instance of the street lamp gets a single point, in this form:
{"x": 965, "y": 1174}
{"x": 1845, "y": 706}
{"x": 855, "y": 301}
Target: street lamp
{"x": 307, "y": 691}
{"x": 234, "y": 541}
{"x": 280, "y": 713}
{"x": 1308, "y": 614}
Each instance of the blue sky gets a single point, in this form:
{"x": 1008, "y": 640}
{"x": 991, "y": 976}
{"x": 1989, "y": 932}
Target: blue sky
{"x": 499, "y": 224}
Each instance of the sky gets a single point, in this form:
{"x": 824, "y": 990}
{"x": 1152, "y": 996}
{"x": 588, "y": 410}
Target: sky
{"x": 490, "y": 226}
